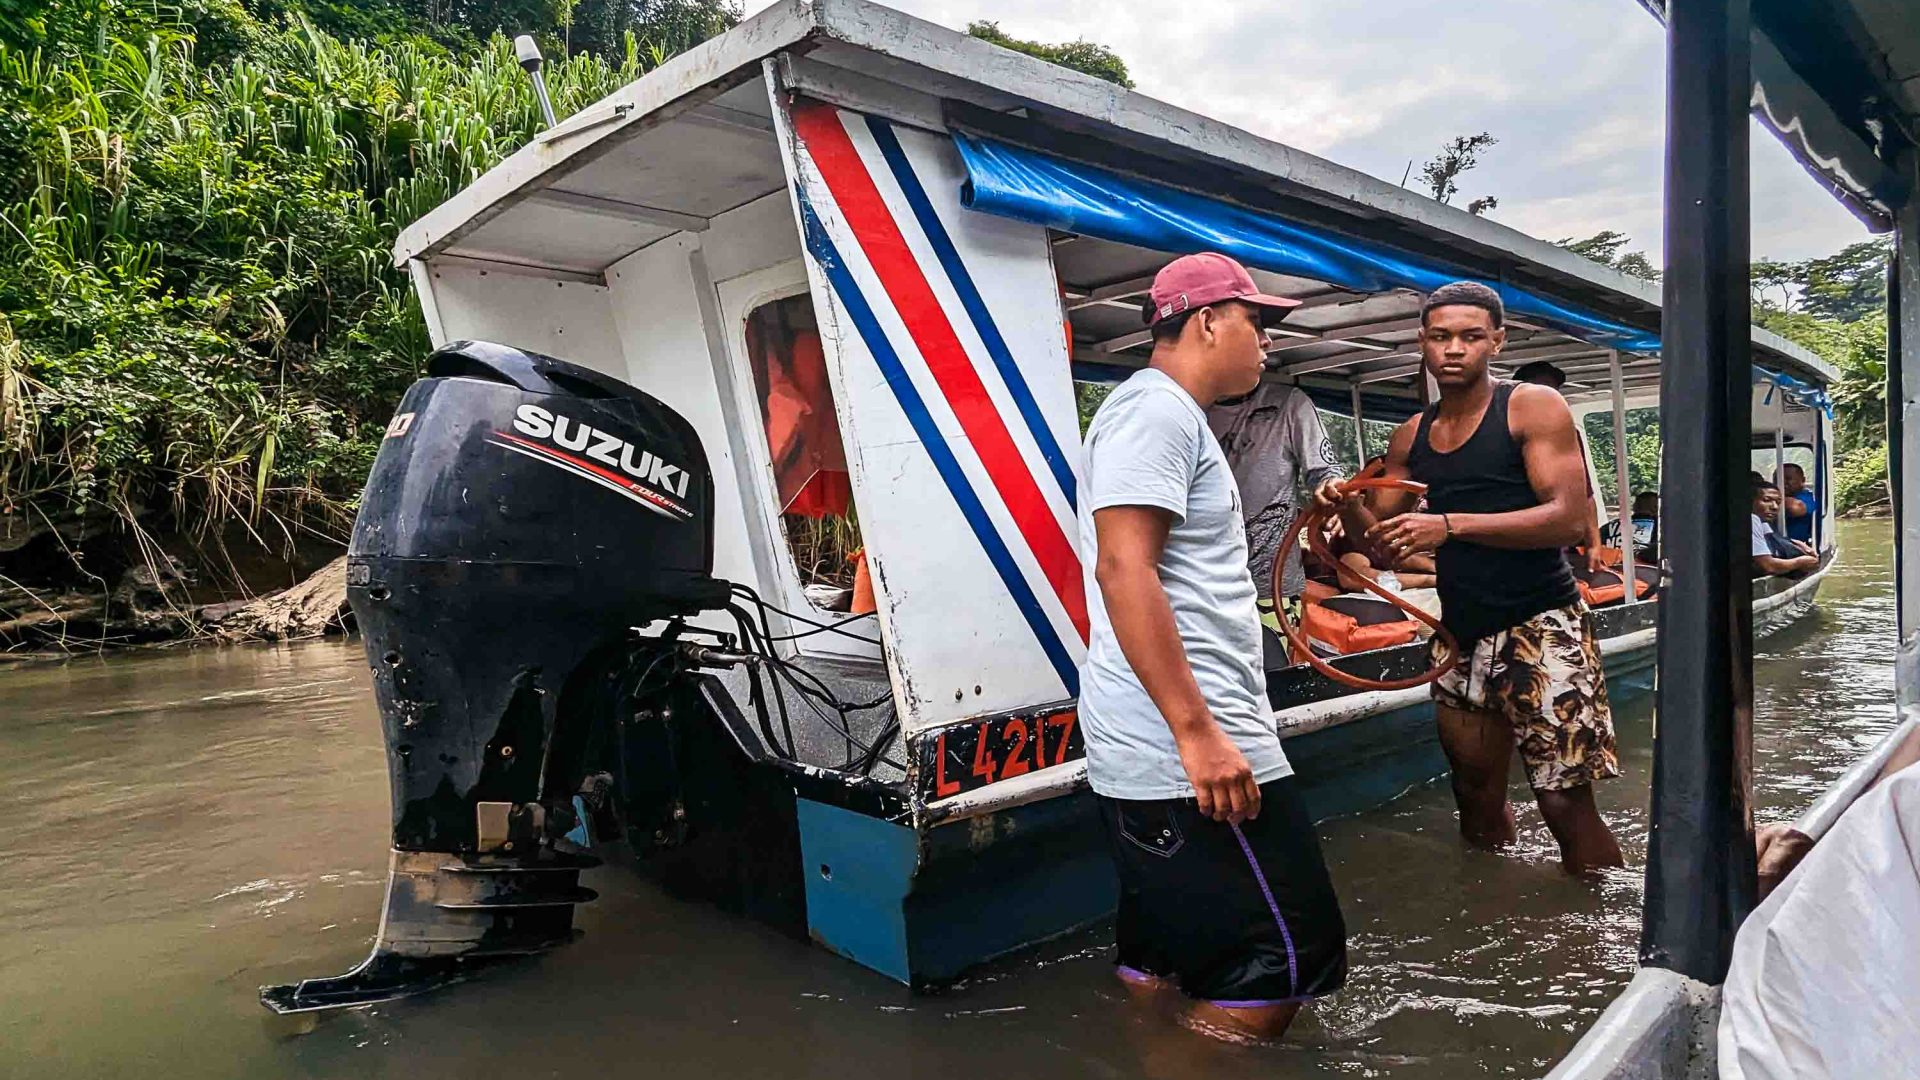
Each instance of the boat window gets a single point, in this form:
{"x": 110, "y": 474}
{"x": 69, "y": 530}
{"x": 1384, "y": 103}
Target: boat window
{"x": 1643, "y": 453}
{"x": 1089, "y": 396}
{"x": 1339, "y": 429}
{"x": 809, "y": 460}
{"x": 1795, "y": 455}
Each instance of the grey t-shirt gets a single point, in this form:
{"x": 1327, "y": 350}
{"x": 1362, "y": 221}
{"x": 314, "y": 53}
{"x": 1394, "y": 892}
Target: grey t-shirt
{"x": 1149, "y": 446}
{"x": 1280, "y": 453}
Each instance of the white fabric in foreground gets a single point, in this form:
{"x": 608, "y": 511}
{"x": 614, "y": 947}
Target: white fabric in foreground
{"x": 1825, "y": 979}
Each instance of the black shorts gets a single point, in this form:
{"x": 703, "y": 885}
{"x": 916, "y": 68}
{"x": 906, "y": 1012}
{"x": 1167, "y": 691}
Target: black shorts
{"x": 1240, "y": 916}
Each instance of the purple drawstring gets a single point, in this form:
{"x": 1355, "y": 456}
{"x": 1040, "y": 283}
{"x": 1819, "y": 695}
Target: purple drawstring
{"x": 1293, "y": 970}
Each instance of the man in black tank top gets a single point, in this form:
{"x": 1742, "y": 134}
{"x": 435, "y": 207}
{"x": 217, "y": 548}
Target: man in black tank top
{"x": 1506, "y": 493}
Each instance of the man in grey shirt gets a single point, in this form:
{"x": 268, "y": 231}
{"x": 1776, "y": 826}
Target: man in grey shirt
{"x": 1280, "y": 455}
{"x": 1224, "y": 895}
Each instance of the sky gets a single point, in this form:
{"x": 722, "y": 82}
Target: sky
{"x": 1573, "y": 89}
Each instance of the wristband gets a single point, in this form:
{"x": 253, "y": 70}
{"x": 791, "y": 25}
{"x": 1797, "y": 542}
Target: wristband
{"x": 1448, "y": 522}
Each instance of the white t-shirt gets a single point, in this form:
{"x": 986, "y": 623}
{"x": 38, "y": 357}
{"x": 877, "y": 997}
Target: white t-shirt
{"x": 1149, "y": 446}
{"x": 1761, "y": 530}
{"x": 1825, "y": 980}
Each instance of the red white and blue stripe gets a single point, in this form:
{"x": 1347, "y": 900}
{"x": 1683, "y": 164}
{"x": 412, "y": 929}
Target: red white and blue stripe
{"x": 903, "y": 283}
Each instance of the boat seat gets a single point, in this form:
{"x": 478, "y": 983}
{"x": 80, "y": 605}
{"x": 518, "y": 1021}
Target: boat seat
{"x": 1354, "y": 623}
{"x": 1605, "y": 588}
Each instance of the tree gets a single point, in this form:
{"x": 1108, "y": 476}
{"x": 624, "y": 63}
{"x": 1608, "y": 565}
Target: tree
{"x": 1443, "y": 171}
{"x": 1607, "y": 247}
{"x": 1080, "y": 55}
{"x": 1636, "y": 264}
{"x": 1765, "y": 276}
{"x": 1849, "y": 285}
{"x": 661, "y": 27}
{"x": 1643, "y": 454}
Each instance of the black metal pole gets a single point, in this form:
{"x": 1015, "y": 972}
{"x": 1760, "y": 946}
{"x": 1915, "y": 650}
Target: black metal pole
{"x": 1903, "y": 440}
{"x": 1700, "y": 862}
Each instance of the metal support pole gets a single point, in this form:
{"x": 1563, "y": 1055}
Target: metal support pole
{"x": 1359, "y": 428}
{"x": 1780, "y": 464}
{"x": 1700, "y": 862}
{"x": 1903, "y": 437}
{"x": 1620, "y": 479}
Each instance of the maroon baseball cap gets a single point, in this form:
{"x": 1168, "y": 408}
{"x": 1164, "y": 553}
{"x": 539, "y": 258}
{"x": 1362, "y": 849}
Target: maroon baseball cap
{"x": 1194, "y": 281}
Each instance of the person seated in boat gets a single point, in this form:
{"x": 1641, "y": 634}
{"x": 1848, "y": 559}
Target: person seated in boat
{"x": 1224, "y": 894}
{"x": 1358, "y": 560}
{"x": 1541, "y": 373}
{"x": 1802, "y": 505}
{"x": 1507, "y": 494}
{"x": 1279, "y": 453}
{"x": 1775, "y": 555}
{"x": 1646, "y": 528}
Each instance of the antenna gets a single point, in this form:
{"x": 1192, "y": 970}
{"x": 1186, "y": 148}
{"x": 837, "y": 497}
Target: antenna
{"x": 528, "y": 52}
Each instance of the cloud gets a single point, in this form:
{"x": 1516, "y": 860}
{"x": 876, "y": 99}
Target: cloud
{"x": 1573, "y": 89}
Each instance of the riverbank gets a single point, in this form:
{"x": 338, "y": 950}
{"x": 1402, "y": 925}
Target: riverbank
{"x": 116, "y": 592}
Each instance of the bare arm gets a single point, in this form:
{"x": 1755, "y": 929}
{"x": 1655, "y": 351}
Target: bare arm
{"x": 1796, "y": 508}
{"x": 1127, "y": 570}
{"x": 1773, "y": 564}
{"x": 1543, "y": 425}
{"x": 1357, "y": 515}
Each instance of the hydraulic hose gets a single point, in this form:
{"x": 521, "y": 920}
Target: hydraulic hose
{"x": 1313, "y": 523}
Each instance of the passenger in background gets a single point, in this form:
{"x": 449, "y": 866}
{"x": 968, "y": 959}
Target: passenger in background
{"x": 1775, "y": 555}
{"x": 1646, "y": 528}
{"x": 1803, "y": 506}
{"x": 1361, "y": 559}
{"x": 1541, "y": 373}
{"x": 1279, "y": 453}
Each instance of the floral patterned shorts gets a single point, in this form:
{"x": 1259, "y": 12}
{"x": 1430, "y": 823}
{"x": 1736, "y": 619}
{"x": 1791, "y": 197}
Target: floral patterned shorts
{"x": 1545, "y": 677}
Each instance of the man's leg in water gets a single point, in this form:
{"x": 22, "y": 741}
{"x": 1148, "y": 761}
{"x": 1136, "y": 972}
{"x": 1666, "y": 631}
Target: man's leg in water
{"x": 1556, "y": 689}
{"x": 1256, "y": 1022}
{"x": 1586, "y": 844}
{"x": 1479, "y": 748}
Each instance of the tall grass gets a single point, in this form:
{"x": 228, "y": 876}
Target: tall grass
{"x": 199, "y": 319}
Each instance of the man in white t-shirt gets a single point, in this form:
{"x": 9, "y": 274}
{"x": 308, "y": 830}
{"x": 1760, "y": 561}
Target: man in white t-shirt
{"x": 1774, "y": 554}
{"x": 1223, "y": 891}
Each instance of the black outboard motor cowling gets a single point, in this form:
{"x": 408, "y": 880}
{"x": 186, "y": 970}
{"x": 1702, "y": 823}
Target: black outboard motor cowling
{"x": 522, "y": 514}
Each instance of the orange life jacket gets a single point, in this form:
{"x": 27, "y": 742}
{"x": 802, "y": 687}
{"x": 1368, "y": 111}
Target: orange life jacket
{"x": 1353, "y": 623}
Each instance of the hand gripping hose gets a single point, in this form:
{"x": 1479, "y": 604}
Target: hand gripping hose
{"x": 1313, "y": 523}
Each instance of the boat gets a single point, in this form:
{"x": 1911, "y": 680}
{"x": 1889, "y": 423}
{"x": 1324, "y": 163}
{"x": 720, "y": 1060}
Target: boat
{"x": 607, "y": 614}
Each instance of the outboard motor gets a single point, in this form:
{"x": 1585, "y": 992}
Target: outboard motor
{"x": 523, "y": 513}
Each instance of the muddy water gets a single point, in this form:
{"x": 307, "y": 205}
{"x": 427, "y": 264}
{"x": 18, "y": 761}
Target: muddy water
{"x": 182, "y": 827}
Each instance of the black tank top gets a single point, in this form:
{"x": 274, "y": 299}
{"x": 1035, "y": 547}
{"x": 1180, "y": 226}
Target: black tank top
{"x": 1484, "y": 590}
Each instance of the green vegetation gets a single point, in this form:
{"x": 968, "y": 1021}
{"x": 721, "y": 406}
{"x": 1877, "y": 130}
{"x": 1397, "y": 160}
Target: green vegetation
{"x": 1643, "y": 453}
{"x": 1608, "y": 248}
{"x": 1082, "y": 56}
{"x": 202, "y": 325}
{"x": 202, "y": 334}
{"x": 1836, "y": 307}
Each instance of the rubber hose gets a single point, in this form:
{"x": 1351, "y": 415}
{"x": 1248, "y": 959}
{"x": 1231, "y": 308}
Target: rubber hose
{"x": 1313, "y": 523}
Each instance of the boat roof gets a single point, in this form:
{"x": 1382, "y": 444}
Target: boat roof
{"x": 691, "y": 140}
{"x": 1838, "y": 82}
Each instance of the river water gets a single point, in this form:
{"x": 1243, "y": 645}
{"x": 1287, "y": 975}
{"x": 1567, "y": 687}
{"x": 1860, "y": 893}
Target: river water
{"x": 184, "y": 826}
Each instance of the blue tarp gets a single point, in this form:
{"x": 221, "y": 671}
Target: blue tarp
{"x": 1028, "y": 186}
